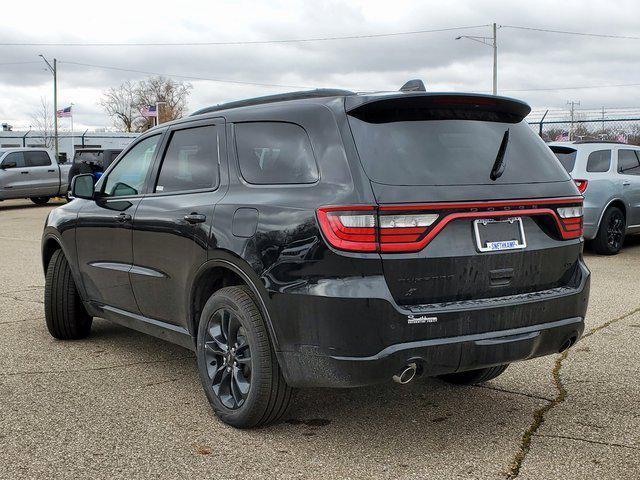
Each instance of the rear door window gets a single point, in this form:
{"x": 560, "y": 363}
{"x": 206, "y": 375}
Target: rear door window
{"x": 628, "y": 162}
{"x": 452, "y": 152}
{"x": 190, "y": 161}
{"x": 37, "y": 159}
{"x": 96, "y": 157}
{"x": 566, "y": 155}
{"x": 599, "y": 161}
{"x": 275, "y": 153}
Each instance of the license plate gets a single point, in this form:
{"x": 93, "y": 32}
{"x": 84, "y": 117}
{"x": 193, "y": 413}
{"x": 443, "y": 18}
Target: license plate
{"x": 493, "y": 235}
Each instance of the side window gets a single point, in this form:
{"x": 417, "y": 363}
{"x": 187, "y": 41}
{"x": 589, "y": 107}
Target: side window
{"x": 275, "y": 153}
{"x": 599, "y": 161}
{"x": 128, "y": 176}
{"x": 15, "y": 157}
{"x": 628, "y": 163}
{"x": 191, "y": 161}
{"x": 37, "y": 159}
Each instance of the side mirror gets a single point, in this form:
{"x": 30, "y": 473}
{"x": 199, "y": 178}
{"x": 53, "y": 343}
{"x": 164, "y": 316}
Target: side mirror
{"x": 82, "y": 186}
{"x": 6, "y": 165}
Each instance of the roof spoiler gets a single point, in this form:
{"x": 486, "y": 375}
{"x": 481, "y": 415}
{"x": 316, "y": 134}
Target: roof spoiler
{"x": 436, "y": 106}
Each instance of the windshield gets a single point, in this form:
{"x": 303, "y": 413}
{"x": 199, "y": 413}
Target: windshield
{"x": 566, "y": 155}
{"x": 452, "y": 152}
{"x": 96, "y": 157}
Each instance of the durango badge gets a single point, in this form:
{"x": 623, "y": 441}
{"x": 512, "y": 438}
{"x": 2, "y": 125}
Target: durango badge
{"x": 411, "y": 319}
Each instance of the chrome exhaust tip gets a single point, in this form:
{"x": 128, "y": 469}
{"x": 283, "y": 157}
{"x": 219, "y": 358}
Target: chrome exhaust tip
{"x": 405, "y": 375}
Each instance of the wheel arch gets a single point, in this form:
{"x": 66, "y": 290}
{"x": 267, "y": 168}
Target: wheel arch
{"x": 614, "y": 202}
{"x": 222, "y": 270}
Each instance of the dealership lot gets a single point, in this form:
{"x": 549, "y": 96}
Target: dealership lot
{"x": 124, "y": 405}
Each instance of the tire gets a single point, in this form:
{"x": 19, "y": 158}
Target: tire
{"x": 610, "y": 236}
{"x": 40, "y": 200}
{"x": 231, "y": 320}
{"x": 473, "y": 377}
{"x": 64, "y": 312}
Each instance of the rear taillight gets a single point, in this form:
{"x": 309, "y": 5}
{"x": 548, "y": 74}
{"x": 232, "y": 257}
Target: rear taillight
{"x": 405, "y": 229}
{"x": 570, "y": 221}
{"x": 582, "y": 185}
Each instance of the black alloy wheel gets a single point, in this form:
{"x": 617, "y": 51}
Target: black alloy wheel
{"x": 228, "y": 357}
{"x": 615, "y": 231}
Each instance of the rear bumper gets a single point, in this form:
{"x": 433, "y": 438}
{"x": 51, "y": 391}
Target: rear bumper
{"x": 346, "y": 342}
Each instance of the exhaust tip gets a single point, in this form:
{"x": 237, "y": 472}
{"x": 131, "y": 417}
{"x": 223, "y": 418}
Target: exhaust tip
{"x": 568, "y": 343}
{"x": 405, "y": 375}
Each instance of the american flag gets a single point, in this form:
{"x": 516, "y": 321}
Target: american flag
{"x": 63, "y": 113}
{"x": 149, "y": 111}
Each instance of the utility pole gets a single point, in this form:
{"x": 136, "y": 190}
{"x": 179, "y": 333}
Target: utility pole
{"x": 572, "y": 107}
{"x": 54, "y": 70}
{"x": 492, "y": 42}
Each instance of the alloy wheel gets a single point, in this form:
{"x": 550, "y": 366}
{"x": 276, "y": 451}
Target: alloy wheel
{"x": 228, "y": 358}
{"x": 615, "y": 231}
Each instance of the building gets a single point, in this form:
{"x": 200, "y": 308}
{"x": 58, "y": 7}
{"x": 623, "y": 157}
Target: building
{"x": 66, "y": 142}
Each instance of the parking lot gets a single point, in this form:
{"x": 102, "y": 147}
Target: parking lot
{"x": 124, "y": 405}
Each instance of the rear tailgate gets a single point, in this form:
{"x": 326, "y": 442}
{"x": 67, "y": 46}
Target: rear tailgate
{"x": 447, "y": 231}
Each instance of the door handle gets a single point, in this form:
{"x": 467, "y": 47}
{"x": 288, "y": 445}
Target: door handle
{"x": 123, "y": 217}
{"x": 626, "y": 183}
{"x": 50, "y": 171}
{"x": 195, "y": 217}
{"x": 24, "y": 173}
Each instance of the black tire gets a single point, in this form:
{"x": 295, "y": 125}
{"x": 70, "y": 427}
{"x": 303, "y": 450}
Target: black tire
{"x": 64, "y": 312}
{"x": 473, "y": 377}
{"x": 40, "y": 200}
{"x": 611, "y": 232}
{"x": 223, "y": 376}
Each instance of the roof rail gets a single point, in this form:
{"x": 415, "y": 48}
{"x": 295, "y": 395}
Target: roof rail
{"x": 281, "y": 97}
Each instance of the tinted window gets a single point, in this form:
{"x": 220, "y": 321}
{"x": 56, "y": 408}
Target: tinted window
{"x": 16, "y": 157}
{"x": 567, "y": 157}
{"x": 275, "y": 153}
{"x": 37, "y": 159}
{"x": 452, "y": 152}
{"x": 128, "y": 176}
{"x": 628, "y": 163}
{"x": 96, "y": 156}
{"x": 599, "y": 161}
{"x": 191, "y": 161}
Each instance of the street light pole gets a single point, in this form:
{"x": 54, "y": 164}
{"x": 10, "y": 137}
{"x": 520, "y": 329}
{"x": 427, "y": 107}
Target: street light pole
{"x": 493, "y": 43}
{"x": 54, "y": 70}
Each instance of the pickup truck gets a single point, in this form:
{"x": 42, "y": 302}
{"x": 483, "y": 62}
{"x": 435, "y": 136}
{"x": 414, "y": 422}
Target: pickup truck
{"x": 31, "y": 173}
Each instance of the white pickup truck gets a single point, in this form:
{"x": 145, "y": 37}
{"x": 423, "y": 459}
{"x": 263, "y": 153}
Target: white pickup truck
{"x": 31, "y": 173}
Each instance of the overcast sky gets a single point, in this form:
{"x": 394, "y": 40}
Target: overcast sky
{"x": 528, "y": 60}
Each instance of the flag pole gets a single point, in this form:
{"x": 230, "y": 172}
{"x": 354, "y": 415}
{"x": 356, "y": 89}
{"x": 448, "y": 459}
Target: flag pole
{"x": 73, "y": 143}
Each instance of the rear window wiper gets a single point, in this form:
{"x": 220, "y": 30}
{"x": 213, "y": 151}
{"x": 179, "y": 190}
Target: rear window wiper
{"x": 499, "y": 164}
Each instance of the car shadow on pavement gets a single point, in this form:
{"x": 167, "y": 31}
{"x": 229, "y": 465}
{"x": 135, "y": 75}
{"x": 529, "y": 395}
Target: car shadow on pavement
{"x": 8, "y": 205}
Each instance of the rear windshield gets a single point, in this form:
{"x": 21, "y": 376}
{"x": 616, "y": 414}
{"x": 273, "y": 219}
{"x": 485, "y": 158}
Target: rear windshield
{"x": 452, "y": 152}
{"x": 89, "y": 157}
{"x": 566, "y": 155}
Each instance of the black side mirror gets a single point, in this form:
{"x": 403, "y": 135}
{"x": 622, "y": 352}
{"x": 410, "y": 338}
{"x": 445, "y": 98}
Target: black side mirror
{"x": 82, "y": 186}
{"x": 8, "y": 165}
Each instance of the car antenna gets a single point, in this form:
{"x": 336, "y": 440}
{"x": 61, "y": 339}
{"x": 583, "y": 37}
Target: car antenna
{"x": 416, "y": 85}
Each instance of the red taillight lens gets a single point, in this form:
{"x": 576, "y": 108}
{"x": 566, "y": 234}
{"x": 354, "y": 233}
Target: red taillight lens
{"x": 570, "y": 221}
{"x": 350, "y": 228}
{"x": 582, "y": 185}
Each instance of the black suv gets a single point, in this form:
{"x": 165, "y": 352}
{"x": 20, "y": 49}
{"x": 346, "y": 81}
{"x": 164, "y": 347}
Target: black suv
{"x": 328, "y": 239}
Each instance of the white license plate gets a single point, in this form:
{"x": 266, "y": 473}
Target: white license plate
{"x": 495, "y": 235}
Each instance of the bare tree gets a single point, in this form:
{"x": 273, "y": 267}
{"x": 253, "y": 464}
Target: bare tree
{"x": 169, "y": 94}
{"x": 122, "y": 105}
{"x": 42, "y": 120}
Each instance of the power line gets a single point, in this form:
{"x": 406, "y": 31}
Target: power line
{"x": 581, "y": 87}
{"x": 566, "y": 32}
{"x": 185, "y": 77}
{"x": 244, "y": 42}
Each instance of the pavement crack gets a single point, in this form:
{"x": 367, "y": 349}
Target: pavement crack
{"x": 512, "y": 392}
{"x": 595, "y": 442}
{"x": 539, "y": 415}
{"x": 94, "y": 369}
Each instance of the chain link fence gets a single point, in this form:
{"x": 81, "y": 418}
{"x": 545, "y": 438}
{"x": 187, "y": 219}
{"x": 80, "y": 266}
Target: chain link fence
{"x": 615, "y": 125}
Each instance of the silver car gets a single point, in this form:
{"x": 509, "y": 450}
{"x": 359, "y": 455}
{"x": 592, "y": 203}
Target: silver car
{"x": 608, "y": 175}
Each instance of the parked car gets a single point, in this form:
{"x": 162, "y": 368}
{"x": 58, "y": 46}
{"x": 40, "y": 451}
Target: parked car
{"x": 328, "y": 239}
{"x": 608, "y": 175}
{"x": 31, "y": 173}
